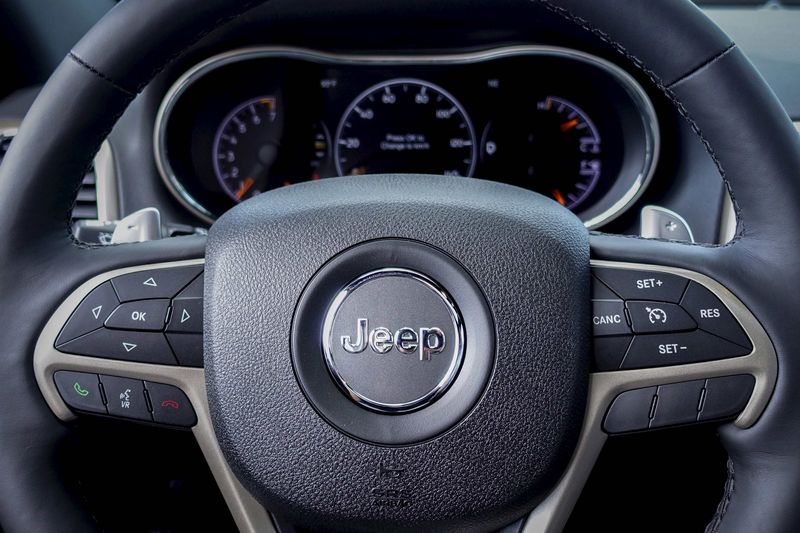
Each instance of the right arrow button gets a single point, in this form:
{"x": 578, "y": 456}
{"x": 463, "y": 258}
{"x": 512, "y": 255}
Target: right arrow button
{"x": 187, "y": 316}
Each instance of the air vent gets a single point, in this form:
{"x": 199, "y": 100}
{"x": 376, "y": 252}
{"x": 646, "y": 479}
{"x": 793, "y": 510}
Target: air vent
{"x": 86, "y": 205}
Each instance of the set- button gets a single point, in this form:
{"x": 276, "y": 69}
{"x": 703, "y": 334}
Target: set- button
{"x": 153, "y": 316}
{"x": 648, "y": 319}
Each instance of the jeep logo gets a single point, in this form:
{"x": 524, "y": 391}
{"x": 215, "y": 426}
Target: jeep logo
{"x": 427, "y": 341}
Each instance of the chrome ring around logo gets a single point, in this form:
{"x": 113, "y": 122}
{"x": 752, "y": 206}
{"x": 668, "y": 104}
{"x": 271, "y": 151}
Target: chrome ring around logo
{"x": 422, "y": 343}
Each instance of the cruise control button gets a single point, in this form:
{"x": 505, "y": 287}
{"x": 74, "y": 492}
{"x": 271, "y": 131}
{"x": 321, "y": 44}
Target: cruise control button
{"x": 158, "y": 283}
{"x": 135, "y": 346}
{"x": 170, "y": 405}
{"x": 126, "y": 397}
{"x": 630, "y": 411}
{"x": 677, "y": 403}
{"x": 80, "y": 390}
{"x": 608, "y": 318}
{"x": 726, "y": 396}
{"x": 187, "y": 347}
{"x": 187, "y": 315}
{"x": 711, "y": 314}
{"x": 642, "y": 285}
{"x": 144, "y": 315}
{"x": 657, "y": 317}
{"x": 90, "y": 314}
{"x": 610, "y": 351}
{"x": 679, "y": 348}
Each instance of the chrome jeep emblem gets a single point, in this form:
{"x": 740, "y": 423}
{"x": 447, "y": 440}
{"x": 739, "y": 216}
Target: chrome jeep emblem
{"x": 393, "y": 340}
{"x": 427, "y": 341}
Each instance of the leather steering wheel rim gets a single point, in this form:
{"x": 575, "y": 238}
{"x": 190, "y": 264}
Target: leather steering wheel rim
{"x": 707, "y": 78}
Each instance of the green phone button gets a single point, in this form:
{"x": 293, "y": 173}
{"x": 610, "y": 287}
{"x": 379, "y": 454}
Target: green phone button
{"x": 80, "y": 391}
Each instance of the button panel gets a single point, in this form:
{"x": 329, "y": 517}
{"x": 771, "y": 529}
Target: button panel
{"x": 659, "y": 319}
{"x": 128, "y": 398}
{"x": 675, "y": 404}
{"x": 130, "y": 318}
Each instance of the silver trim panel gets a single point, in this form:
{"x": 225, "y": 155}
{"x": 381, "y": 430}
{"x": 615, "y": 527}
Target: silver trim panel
{"x": 549, "y": 516}
{"x": 636, "y": 92}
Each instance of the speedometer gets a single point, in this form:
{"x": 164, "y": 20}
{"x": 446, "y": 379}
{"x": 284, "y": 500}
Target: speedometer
{"x": 405, "y": 125}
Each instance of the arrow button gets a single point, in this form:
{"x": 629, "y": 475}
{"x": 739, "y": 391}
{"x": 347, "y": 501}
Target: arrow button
{"x": 129, "y": 346}
{"x": 90, "y": 314}
{"x": 187, "y": 316}
{"x": 138, "y": 346}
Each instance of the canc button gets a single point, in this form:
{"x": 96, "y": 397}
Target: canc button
{"x": 608, "y": 318}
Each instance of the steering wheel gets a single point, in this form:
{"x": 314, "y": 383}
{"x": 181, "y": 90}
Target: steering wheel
{"x": 404, "y": 352}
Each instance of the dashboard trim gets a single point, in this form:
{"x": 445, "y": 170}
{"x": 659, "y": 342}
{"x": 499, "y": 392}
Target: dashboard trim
{"x": 636, "y": 92}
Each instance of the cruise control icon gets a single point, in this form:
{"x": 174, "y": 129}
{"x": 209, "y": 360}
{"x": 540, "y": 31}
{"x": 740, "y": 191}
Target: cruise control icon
{"x": 656, "y": 315}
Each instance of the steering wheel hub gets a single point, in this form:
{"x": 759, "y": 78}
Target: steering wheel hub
{"x": 445, "y": 338}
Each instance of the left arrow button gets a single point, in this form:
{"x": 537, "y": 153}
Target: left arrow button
{"x": 90, "y": 314}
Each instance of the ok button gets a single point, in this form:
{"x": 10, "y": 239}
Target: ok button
{"x": 142, "y": 315}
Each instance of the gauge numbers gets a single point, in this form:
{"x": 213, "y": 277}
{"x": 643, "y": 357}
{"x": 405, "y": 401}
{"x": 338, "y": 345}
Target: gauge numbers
{"x": 408, "y": 126}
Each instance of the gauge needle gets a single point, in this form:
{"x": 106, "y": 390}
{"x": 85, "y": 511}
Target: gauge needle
{"x": 559, "y": 197}
{"x": 565, "y": 127}
{"x": 246, "y": 184}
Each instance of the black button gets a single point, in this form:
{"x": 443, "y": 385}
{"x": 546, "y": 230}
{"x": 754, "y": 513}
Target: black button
{"x": 610, "y": 351}
{"x": 711, "y": 314}
{"x": 630, "y": 411}
{"x": 90, "y": 314}
{"x": 658, "y": 317}
{"x": 144, "y": 315}
{"x": 187, "y": 347}
{"x": 679, "y": 348}
{"x": 187, "y": 315}
{"x": 125, "y": 345}
{"x": 126, "y": 397}
{"x": 642, "y": 285}
{"x": 677, "y": 403}
{"x": 726, "y": 396}
{"x": 170, "y": 405}
{"x": 159, "y": 283}
{"x": 194, "y": 290}
{"x": 80, "y": 391}
{"x": 608, "y": 318}
{"x": 601, "y": 292}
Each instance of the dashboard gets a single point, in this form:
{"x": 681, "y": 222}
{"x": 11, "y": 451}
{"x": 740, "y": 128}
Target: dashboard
{"x": 564, "y": 123}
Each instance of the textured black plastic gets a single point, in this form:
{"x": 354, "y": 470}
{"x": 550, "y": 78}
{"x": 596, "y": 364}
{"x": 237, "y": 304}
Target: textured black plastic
{"x": 529, "y": 256}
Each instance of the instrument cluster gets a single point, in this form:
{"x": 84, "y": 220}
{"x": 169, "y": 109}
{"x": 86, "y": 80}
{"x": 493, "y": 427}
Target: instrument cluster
{"x": 563, "y": 123}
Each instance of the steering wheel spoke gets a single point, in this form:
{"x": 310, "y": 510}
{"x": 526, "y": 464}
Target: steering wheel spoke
{"x": 672, "y": 346}
{"x": 128, "y": 344}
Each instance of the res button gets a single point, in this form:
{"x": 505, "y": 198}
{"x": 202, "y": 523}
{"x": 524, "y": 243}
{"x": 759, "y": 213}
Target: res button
{"x": 711, "y": 314}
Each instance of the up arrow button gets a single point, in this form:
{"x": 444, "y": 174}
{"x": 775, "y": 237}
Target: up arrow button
{"x": 156, "y": 283}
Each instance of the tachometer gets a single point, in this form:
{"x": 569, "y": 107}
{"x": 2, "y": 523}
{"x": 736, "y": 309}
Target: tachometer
{"x": 556, "y": 150}
{"x": 254, "y": 150}
{"x": 405, "y": 125}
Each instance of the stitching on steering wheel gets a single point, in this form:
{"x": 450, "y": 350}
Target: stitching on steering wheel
{"x": 558, "y": 10}
{"x": 722, "y": 508}
{"x": 664, "y": 88}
